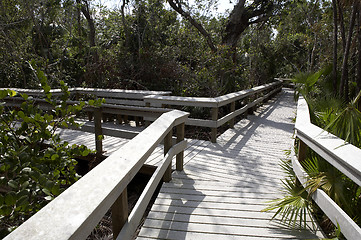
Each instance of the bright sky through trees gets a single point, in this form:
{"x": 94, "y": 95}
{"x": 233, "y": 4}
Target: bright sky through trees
{"x": 223, "y": 5}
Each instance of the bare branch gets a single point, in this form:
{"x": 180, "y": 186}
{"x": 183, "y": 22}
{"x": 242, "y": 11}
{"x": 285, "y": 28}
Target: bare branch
{"x": 176, "y": 5}
{"x": 242, "y": 16}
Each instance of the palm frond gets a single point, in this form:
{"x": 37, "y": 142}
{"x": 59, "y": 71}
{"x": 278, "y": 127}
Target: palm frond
{"x": 294, "y": 207}
{"x": 347, "y": 124}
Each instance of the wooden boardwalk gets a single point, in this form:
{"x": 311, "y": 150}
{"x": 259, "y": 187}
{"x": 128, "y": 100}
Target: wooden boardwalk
{"x": 224, "y": 185}
{"x": 111, "y": 144}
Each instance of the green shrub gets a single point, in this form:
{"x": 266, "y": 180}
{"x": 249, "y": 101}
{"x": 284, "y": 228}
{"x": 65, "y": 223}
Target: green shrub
{"x": 35, "y": 165}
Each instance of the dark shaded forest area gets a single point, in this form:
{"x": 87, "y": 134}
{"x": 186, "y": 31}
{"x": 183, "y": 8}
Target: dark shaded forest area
{"x": 175, "y": 45}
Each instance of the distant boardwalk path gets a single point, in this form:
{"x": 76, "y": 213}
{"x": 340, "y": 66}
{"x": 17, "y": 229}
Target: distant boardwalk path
{"x": 225, "y": 185}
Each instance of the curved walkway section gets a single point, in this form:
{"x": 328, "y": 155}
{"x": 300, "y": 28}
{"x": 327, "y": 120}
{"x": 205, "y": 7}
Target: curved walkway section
{"x": 224, "y": 187}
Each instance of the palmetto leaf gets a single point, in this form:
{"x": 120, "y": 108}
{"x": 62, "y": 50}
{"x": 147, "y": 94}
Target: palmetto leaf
{"x": 323, "y": 175}
{"x": 347, "y": 125}
{"x": 293, "y": 208}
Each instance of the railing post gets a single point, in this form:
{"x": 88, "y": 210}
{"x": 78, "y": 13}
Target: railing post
{"x": 250, "y": 109}
{"x": 214, "y": 130}
{"x": 167, "y": 145}
{"x": 255, "y": 97}
{"x": 120, "y": 213}
{"x": 302, "y": 150}
{"x": 180, "y": 156}
{"x": 233, "y": 108}
{"x": 126, "y": 121}
{"x": 147, "y": 122}
{"x": 90, "y": 116}
{"x": 98, "y": 131}
{"x": 105, "y": 117}
{"x": 119, "y": 119}
{"x": 137, "y": 121}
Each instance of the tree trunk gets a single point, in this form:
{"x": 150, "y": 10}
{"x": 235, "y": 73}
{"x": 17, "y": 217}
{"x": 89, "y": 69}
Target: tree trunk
{"x": 342, "y": 25}
{"x": 86, "y": 12}
{"x": 125, "y": 25}
{"x": 242, "y": 16}
{"x": 312, "y": 55}
{"x": 335, "y": 29}
{"x": 359, "y": 52}
{"x": 176, "y": 5}
{"x": 236, "y": 25}
{"x": 344, "y": 75}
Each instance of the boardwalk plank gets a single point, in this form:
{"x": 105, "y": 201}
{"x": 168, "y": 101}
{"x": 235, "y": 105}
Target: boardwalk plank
{"x": 189, "y": 234}
{"x": 224, "y": 187}
{"x": 224, "y": 229}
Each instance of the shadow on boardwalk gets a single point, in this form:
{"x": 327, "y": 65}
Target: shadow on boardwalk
{"x": 224, "y": 187}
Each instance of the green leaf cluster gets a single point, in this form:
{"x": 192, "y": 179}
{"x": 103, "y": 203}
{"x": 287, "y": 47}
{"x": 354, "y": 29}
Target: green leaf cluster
{"x": 341, "y": 119}
{"x": 35, "y": 164}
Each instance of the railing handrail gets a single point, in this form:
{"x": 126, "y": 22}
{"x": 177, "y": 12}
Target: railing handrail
{"x": 208, "y": 101}
{"x": 75, "y": 212}
{"x": 344, "y": 156}
{"x": 90, "y": 90}
{"x": 215, "y": 104}
{"x": 149, "y": 107}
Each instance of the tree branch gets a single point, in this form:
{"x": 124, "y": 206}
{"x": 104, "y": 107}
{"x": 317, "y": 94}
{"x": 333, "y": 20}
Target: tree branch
{"x": 176, "y": 5}
{"x": 242, "y": 16}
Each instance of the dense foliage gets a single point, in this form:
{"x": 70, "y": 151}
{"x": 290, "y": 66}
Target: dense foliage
{"x": 178, "y": 45}
{"x": 183, "y": 46}
{"x": 343, "y": 120}
{"x": 35, "y": 165}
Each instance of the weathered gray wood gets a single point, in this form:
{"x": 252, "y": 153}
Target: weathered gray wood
{"x": 98, "y": 132}
{"x": 117, "y": 93}
{"x": 181, "y": 230}
{"x": 224, "y": 187}
{"x": 302, "y": 151}
{"x": 347, "y": 226}
{"x": 209, "y": 102}
{"x": 201, "y": 122}
{"x": 345, "y": 157}
{"x": 231, "y": 97}
{"x": 124, "y": 102}
{"x": 142, "y": 203}
{"x": 110, "y": 129}
{"x": 214, "y": 130}
{"x": 180, "y": 156}
{"x": 181, "y": 101}
{"x": 119, "y": 213}
{"x": 167, "y": 145}
{"x": 232, "y": 115}
{"x": 232, "y": 109}
{"x": 73, "y": 216}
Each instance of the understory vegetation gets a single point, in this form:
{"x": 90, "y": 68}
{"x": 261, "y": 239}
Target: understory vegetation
{"x": 342, "y": 119}
{"x": 187, "y": 47}
{"x": 35, "y": 164}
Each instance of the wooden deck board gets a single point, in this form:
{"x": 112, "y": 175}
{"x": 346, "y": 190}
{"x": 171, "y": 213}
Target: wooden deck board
{"x": 224, "y": 186}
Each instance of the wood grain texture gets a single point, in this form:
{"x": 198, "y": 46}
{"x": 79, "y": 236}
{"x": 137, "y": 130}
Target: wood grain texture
{"x": 225, "y": 185}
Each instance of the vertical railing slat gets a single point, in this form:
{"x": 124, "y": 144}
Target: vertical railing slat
{"x": 120, "y": 213}
{"x": 180, "y": 156}
{"x": 167, "y": 145}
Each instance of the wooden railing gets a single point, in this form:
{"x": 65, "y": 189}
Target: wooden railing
{"x": 111, "y": 96}
{"x": 286, "y": 82}
{"x": 129, "y": 102}
{"x": 75, "y": 212}
{"x": 253, "y": 95}
{"x": 142, "y": 105}
{"x": 345, "y": 157}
